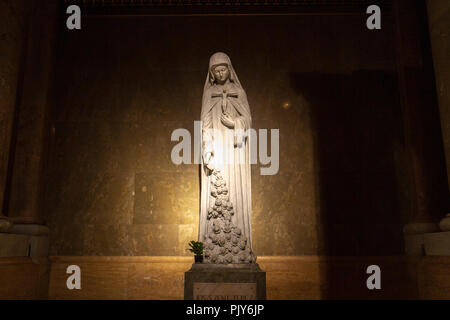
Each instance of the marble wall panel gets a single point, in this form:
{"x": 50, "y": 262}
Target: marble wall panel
{"x": 111, "y": 187}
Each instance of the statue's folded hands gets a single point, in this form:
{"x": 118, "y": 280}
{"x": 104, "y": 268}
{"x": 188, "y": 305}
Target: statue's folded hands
{"x": 227, "y": 120}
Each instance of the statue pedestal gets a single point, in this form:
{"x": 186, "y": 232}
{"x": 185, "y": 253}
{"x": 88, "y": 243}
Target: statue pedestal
{"x": 206, "y": 281}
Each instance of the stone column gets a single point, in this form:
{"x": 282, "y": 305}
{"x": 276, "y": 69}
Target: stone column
{"x": 423, "y": 144}
{"x": 28, "y": 235}
{"x": 439, "y": 28}
{"x": 28, "y": 147}
{"x": 14, "y": 17}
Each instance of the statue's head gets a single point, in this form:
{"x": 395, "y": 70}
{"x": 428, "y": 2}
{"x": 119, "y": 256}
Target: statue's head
{"x": 221, "y": 70}
{"x": 221, "y": 73}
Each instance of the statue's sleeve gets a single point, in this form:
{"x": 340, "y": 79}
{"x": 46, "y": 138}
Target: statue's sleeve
{"x": 244, "y": 119}
{"x": 207, "y": 132}
{"x": 243, "y": 122}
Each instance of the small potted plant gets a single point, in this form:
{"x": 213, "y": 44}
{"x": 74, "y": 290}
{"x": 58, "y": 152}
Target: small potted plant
{"x": 197, "y": 249}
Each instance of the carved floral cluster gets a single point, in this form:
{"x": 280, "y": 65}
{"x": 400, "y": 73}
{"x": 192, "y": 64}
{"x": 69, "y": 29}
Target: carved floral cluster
{"x": 225, "y": 242}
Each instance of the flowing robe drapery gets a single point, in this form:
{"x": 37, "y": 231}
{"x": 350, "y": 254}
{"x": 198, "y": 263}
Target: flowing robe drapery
{"x": 230, "y": 152}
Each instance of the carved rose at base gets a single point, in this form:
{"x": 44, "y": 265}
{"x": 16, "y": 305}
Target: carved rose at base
{"x": 225, "y": 242}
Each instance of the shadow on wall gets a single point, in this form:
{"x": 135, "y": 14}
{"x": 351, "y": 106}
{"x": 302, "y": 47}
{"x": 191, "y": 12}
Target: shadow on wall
{"x": 359, "y": 178}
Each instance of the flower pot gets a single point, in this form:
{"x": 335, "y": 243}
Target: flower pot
{"x": 198, "y": 258}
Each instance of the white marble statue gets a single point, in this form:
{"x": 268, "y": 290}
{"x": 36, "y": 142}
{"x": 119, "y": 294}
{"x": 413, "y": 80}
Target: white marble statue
{"x": 226, "y": 205}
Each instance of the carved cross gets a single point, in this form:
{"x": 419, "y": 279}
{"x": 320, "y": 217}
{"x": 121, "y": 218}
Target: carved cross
{"x": 224, "y": 95}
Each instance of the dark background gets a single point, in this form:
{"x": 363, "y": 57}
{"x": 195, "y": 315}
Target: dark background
{"x": 124, "y": 83}
{"x": 87, "y": 115}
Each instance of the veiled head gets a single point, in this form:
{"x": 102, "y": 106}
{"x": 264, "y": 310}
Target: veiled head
{"x": 219, "y": 58}
{"x": 221, "y": 73}
{"x": 220, "y": 70}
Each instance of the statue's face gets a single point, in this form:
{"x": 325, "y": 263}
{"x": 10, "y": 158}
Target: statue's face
{"x": 221, "y": 73}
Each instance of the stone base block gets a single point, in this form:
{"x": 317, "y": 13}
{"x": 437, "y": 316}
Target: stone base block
{"x": 413, "y": 236}
{"x": 14, "y": 245}
{"x": 225, "y": 282}
{"x": 414, "y": 245}
{"x": 437, "y": 243}
{"x": 22, "y": 245}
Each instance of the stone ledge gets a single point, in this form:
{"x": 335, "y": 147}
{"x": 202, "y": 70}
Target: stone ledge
{"x": 420, "y": 228}
{"x": 288, "y": 277}
{"x": 14, "y": 260}
{"x": 122, "y": 259}
{"x": 190, "y": 259}
{"x": 30, "y": 229}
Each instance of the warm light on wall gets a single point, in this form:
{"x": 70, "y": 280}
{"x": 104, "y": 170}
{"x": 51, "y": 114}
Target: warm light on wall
{"x": 286, "y": 105}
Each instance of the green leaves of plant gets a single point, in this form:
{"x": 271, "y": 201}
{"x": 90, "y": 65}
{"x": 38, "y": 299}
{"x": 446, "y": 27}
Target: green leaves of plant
{"x": 196, "y": 247}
